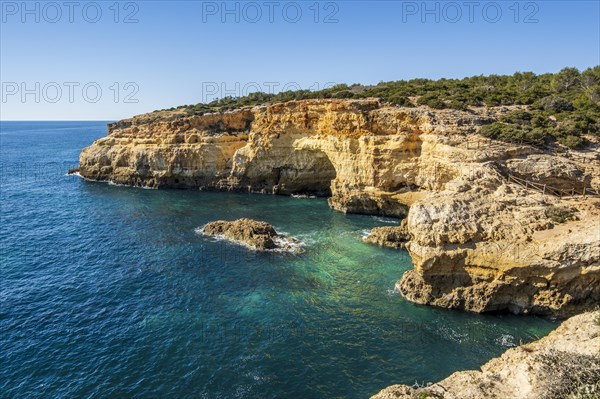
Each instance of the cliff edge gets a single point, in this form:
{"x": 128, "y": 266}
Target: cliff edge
{"x": 491, "y": 226}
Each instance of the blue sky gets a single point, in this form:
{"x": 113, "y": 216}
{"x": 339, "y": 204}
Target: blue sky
{"x": 183, "y": 52}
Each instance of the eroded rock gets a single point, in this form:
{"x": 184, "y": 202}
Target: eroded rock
{"x": 498, "y": 248}
{"x": 252, "y": 233}
{"x": 389, "y": 236}
{"x": 477, "y": 241}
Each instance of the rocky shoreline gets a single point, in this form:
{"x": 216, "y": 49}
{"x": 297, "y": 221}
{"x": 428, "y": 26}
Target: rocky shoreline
{"x": 389, "y": 236}
{"x": 478, "y": 241}
{"x": 565, "y": 364}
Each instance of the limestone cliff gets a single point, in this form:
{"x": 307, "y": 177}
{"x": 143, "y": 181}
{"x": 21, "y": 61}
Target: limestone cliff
{"x": 565, "y": 364}
{"x": 358, "y": 152}
{"x": 478, "y": 241}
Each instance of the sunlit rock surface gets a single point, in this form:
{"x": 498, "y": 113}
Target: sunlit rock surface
{"x": 478, "y": 242}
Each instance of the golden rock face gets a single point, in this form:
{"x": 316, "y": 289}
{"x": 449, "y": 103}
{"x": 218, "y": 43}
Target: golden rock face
{"x": 355, "y": 150}
{"x": 477, "y": 241}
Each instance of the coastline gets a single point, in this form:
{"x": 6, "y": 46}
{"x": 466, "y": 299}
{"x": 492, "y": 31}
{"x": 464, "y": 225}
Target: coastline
{"x": 566, "y": 363}
{"x": 479, "y": 242}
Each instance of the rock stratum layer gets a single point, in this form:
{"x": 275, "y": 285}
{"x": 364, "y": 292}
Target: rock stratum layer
{"x": 478, "y": 242}
{"x": 565, "y": 364}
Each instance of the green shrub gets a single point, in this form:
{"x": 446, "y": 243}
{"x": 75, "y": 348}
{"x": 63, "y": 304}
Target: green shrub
{"x": 515, "y": 133}
{"x": 569, "y": 375}
{"x": 573, "y": 98}
{"x": 344, "y": 94}
{"x": 519, "y": 117}
{"x": 458, "y": 104}
{"x": 540, "y": 121}
{"x": 572, "y": 141}
{"x": 493, "y": 131}
{"x": 555, "y": 104}
{"x": 400, "y": 100}
{"x": 431, "y": 100}
{"x": 560, "y": 215}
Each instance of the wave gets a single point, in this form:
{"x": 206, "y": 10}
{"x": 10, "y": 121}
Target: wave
{"x": 109, "y": 182}
{"x": 287, "y": 245}
{"x": 506, "y": 340}
{"x": 112, "y": 183}
{"x": 291, "y": 246}
{"x": 384, "y": 219}
{"x": 308, "y": 238}
{"x": 85, "y": 178}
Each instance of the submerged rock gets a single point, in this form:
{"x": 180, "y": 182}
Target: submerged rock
{"x": 565, "y": 364}
{"x": 389, "y": 236}
{"x": 253, "y": 233}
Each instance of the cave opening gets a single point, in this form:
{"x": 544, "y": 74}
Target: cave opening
{"x": 307, "y": 172}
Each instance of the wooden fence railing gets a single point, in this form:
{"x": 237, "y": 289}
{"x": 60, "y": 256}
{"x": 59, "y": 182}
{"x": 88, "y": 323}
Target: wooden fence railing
{"x": 482, "y": 142}
{"x": 558, "y": 192}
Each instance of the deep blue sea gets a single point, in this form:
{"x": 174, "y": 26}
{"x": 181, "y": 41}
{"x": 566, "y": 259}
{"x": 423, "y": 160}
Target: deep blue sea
{"x": 107, "y": 291}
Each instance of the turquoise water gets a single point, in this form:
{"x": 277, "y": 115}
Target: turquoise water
{"x": 107, "y": 291}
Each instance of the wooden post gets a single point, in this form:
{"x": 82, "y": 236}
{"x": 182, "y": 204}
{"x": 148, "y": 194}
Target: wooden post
{"x": 583, "y": 191}
{"x": 544, "y": 192}
{"x": 573, "y": 192}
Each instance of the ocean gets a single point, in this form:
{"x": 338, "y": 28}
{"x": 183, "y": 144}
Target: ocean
{"x": 109, "y": 291}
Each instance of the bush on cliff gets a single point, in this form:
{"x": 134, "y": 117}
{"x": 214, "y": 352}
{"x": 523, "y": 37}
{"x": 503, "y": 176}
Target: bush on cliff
{"x": 561, "y": 107}
{"x": 560, "y": 214}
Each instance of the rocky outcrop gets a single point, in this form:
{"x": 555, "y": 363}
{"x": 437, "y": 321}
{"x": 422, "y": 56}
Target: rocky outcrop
{"x": 565, "y": 364}
{"x": 357, "y": 152}
{"x": 478, "y": 242}
{"x": 485, "y": 245}
{"x": 255, "y": 234}
{"x": 389, "y": 236}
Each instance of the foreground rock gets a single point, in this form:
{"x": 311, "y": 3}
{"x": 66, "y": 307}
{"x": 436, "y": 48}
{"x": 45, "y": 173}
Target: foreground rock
{"x": 389, "y": 236}
{"x": 500, "y": 247}
{"x": 255, "y": 234}
{"x": 477, "y": 241}
{"x": 565, "y": 364}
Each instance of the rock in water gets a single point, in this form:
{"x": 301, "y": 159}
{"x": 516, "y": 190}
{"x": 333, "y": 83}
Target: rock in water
{"x": 389, "y": 236}
{"x": 478, "y": 241}
{"x": 253, "y": 233}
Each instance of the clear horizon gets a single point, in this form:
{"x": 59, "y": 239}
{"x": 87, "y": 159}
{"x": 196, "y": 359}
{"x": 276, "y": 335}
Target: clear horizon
{"x": 109, "y": 61}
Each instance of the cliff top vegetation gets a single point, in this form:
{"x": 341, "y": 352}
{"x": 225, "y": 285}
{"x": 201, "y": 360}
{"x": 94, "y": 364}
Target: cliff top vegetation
{"x": 561, "y": 108}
